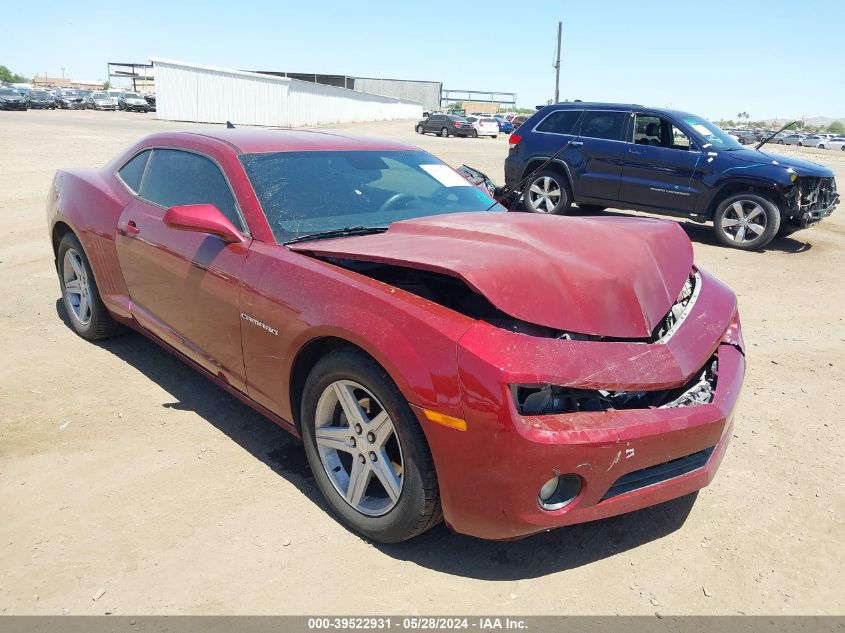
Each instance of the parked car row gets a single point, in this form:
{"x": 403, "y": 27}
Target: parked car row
{"x": 74, "y": 99}
{"x": 473, "y": 125}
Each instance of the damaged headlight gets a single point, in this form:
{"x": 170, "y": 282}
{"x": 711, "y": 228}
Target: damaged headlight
{"x": 554, "y": 399}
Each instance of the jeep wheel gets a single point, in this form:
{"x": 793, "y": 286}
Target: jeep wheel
{"x": 548, "y": 192}
{"x": 746, "y": 221}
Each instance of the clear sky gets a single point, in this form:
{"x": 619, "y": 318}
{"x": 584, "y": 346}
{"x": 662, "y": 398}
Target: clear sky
{"x": 717, "y": 58}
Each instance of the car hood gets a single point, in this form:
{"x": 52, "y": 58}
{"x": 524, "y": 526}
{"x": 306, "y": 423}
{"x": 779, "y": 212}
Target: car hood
{"x": 799, "y": 166}
{"x": 613, "y": 277}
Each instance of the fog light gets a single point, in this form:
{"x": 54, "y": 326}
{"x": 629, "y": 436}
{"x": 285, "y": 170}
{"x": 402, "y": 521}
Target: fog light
{"x": 559, "y": 491}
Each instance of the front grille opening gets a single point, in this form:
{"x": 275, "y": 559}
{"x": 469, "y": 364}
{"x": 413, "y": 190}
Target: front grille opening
{"x": 554, "y": 399}
{"x": 816, "y": 193}
{"x": 656, "y": 474}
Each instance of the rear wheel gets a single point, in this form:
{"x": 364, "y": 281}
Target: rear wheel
{"x": 419, "y": 129}
{"x": 367, "y": 450}
{"x": 86, "y": 311}
{"x": 548, "y": 192}
{"x": 746, "y": 221}
{"x": 821, "y": 145}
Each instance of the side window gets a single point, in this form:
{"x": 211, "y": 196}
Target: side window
{"x": 175, "y": 177}
{"x": 648, "y": 129}
{"x": 560, "y": 122}
{"x": 679, "y": 139}
{"x": 132, "y": 172}
{"x": 603, "y": 124}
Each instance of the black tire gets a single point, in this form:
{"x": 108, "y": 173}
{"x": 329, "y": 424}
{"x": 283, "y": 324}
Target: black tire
{"x": 800, "y": 144}
{"x": 474, "y": 134}
{"x": 444, "y": 132}
{"x": 821, "y": 146}
{"x": 419, "y": 129}
{"x": 748, "y": 202}
{"x": 557, "y": 205}
{"x": 591, "y": 208}
{"x": 100, "y": 324}
{"x": 418, "y": 505}
{"x": 495, "y": 136}
{"x": 780, "y": 141}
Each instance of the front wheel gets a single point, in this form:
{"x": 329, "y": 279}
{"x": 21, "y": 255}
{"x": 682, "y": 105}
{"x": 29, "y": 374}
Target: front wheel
{"x": 821, "y": 146}
{"x": 548, "y": 192}
{"x": 419, "y": 129}
{"x": 366, "y": 449}
{"x": 746, "y": 221}
{"x": 444, "y": 132}
{"x": 88, "y": 315}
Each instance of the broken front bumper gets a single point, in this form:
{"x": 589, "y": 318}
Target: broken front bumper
{"x": 491, "y": 474}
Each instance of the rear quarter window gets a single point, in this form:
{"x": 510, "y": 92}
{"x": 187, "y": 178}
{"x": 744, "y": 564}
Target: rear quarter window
{"x": 133, "y": 171}
{"x": 560, "y": 122}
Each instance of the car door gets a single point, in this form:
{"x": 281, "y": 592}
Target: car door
{"x": 600, "y": 143}
{"x": 662, "y": 166}
{"x": 435, "y": 123}
{"x": 184, "y": 286}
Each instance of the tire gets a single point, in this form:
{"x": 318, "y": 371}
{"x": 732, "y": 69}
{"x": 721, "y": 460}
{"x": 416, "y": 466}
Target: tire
{"x": 821, "y": 146}
{"x": 91, "y": 322}
{"x": 780, "y": 141}
{"x": 474, "y": 134}
{"x": 548, "y": 181}
{"x": 800, "y": 144}
{"x": 375, "y": 514}
{"x": 444, "y": 132}
{"x": 591, "y": 208}
{"x": 419, "y": 129}
{"x": 495, "y": 136}
{"x": 757, "y": 210}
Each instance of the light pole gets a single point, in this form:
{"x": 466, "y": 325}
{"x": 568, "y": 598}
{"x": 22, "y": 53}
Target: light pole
{"x": 557, "y": 63}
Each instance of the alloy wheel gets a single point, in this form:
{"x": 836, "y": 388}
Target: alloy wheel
{"x": 77, "y": 288}
{"x": 544, "y": 192}
{"x": 359, "y": 448}
{"x": 744, "y": 221}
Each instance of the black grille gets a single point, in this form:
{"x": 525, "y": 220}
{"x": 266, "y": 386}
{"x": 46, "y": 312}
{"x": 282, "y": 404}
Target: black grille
{"x": 661, "y": 472}
{"x": 816, "y": 193}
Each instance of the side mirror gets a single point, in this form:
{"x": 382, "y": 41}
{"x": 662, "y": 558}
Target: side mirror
{"x": 202, "y": 218}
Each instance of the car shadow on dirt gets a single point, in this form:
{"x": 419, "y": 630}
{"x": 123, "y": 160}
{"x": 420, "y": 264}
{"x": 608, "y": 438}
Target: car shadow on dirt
{"x": 439, "y": 549}
{"x": 703, "y": 233}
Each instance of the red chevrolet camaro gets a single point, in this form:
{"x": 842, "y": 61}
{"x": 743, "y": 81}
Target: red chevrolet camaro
{"x": 439, "y": 357}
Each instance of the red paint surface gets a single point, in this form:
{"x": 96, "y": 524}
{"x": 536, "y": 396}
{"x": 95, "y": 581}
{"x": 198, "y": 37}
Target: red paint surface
{"x": 615, "y": 277}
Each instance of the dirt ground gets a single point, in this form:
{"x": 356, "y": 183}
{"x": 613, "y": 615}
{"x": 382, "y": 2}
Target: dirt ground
{"x": 130, "y": 485}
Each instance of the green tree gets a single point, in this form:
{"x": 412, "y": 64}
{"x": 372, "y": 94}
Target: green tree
{"x": 13, "y": 78}
{"x": 106, "y": 85}
{"x": 836, "y": 128}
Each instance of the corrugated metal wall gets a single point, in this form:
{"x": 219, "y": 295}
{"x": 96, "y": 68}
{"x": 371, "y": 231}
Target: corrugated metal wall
{"x": 191, "y": 92}
{"x": 424, "y": 92}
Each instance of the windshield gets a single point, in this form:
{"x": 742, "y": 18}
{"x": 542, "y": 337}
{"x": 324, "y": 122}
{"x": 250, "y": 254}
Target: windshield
{"x": 99, "y": 95}
{"x": 310, "y": 192}
{"x": 8, "y": 92}
{"x": 132, "y": 95}
{"x": 39, "y": 94}
{"x": 68, "y": 93}
{"x": 712, "y": 134}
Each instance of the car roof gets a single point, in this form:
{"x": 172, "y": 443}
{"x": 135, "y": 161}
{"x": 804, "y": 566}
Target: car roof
{"x": 593, "y": 105}
{"x": 256, "y": 141}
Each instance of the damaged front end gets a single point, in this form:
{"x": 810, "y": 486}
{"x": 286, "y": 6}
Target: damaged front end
{"x": 810, "y": 199}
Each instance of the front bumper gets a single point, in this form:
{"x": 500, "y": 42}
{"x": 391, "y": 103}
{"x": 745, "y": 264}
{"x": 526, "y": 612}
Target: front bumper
{"x": 490, "y": 475}
{"x": 13, "y": 105}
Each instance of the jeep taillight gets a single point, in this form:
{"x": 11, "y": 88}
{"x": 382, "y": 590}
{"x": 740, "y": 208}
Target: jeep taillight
{"x": 514, "y": 140}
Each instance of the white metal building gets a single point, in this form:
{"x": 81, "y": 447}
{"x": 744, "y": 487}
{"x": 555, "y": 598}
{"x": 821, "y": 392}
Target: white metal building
{"x": 191, "y": 92}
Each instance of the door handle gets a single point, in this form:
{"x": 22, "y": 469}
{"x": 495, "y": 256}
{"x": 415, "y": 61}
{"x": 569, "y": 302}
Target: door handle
{"x": 130, "y": 229}
{"x": 634, "y": 151}
{"x": 576, "y": 144}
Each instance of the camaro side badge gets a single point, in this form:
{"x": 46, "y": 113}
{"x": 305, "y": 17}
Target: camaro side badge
{"x": 264, "y": 326}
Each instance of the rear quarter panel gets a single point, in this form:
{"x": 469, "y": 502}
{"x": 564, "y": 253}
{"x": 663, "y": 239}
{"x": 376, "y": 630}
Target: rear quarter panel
{"x": 89, "y": 202}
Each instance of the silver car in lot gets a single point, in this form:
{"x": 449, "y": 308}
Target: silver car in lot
{"x": 132, "y": 101}
{"x": 837, "y": 143}
{"x": 813, "y": 140}
{"x": 100, "y": 101}
{"x": 794, "y": 139}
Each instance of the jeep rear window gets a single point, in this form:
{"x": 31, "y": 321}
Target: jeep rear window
{"x": 603, "y": 124}
{"x": 560, "y": 122}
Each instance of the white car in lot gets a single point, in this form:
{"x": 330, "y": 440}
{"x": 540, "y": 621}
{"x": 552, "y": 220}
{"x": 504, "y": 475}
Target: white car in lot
{"x": 814, "y": 140}
{"x": 837, "y": 142}
{"x": 484, "y": 125}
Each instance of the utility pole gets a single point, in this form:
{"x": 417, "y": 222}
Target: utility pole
{"x": 557, "y": 63}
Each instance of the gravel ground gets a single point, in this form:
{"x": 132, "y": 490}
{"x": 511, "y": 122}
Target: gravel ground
{"x": 131, "y": 485}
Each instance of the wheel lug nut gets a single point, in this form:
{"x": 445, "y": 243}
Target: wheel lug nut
{"x": 373, "y": 456}
{"x": 362, "y": 459}
{"x": 371, "y": 438}
{"x": 358, "y": 429}
{"x": 352, "y": 439}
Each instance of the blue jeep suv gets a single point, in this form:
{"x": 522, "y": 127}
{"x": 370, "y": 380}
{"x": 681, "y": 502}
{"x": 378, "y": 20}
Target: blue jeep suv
{"x": 666, "y": 162}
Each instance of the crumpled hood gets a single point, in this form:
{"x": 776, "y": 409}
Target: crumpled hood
{"x": 604, "y": 276}
{"x": 801, "y": 167}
